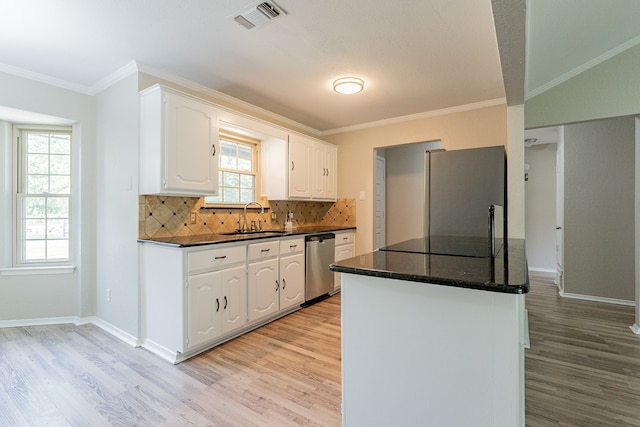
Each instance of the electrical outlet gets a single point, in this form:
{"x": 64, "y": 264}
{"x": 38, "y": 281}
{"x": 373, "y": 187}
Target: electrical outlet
{"x": 193, "y": 218}
{"x": 274, "y": 216}
{"x": 108, "y": 295}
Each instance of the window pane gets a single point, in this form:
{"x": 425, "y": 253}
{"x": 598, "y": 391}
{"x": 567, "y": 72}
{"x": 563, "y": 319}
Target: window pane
{"x": 34, "y": 250}
{"x": 57, "y": 229}
{"x": 37, "y": 164}
{"x": 34, "y": 207}
{"x": 37, "y": 184}
{"x": 58, "y": 207}
{"x": 60, "y": 165}
{"x": 231, "y": 195}
{"x": 247, "y": 181}
{"x": 247, "y": 196}
{"x": 230, "y": 179}
{"x": 34, "y": 229}
{"x": 60, "y": 185}
{"x": 57, "y": 249}
{"x": 38, "y": 143}
{"x": 245, "y": 158}
{"x": 60, "y": 144}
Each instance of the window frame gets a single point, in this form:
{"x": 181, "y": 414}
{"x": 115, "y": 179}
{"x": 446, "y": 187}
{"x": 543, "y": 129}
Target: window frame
{"x": 245, "y": 140}
{"x": 19, "y": 133}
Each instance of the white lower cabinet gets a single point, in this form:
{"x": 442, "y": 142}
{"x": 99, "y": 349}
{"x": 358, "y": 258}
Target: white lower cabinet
{"x": 217, "y": 304}
{"x": 275, "y": 284}
{"x": 345, "y": 249}
{"x": 196, "y": 298}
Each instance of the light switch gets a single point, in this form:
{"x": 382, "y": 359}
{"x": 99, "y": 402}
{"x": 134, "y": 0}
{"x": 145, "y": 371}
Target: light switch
{"x": 362, "y": 195}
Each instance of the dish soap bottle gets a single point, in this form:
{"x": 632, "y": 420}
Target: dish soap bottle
{"x": 288, "y": 223}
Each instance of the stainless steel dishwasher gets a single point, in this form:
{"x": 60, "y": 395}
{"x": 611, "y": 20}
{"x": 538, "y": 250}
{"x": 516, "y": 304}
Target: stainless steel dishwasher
{"x": 320, "y": 252}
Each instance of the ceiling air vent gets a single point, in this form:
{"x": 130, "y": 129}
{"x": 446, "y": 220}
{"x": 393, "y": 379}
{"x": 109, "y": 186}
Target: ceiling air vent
{"x": 258, "y": 14}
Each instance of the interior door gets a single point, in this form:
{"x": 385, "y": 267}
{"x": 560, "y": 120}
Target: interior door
{"x": 380, "y": 203}
{"x": 560, "y": 210}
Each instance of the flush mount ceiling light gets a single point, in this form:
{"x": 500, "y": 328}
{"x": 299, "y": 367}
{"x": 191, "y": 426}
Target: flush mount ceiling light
{"x": 348, "y": 85}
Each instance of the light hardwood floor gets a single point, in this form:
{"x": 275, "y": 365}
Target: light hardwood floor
{"x": 583, "y": 369}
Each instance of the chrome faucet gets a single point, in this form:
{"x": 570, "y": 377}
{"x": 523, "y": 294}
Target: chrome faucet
{"x": 245, "y": 228}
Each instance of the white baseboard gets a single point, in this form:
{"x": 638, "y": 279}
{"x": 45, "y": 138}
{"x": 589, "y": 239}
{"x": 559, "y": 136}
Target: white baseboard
{"x": 160, "y": 351}
{"x": 118, "y": 333}
{"x": 635, "y": 328}
{"x": 598, "y": 299}
{"x": 542, "y": 270}
{"x": 37, "y": 322}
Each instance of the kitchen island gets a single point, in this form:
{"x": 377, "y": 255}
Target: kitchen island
{"x": 433, "y": 334}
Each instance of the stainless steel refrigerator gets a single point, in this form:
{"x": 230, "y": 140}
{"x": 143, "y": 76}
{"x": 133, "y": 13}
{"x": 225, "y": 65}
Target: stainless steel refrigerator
{"x": 466, "y": 196}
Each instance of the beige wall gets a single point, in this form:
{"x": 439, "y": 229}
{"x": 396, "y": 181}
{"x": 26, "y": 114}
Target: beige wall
{"x": 475, "y": 128}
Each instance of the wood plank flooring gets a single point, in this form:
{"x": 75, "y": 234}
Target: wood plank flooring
{"x": 583, "y": 369}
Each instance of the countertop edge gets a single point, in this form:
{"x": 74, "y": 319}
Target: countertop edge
{"x": 224, "y": 238}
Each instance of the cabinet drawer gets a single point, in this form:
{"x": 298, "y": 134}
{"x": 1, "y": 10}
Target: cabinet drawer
{"x": 291, "y": 246}
{"x": 214, "y": 259}
{"x": 344, "y": 238}
{"x": 263, "y": 250}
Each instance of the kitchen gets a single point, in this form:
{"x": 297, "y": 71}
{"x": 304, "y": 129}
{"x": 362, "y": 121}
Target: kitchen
{"x": 109, "y": 205}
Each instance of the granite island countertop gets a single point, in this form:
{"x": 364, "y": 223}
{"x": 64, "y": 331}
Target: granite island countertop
{"x": 210, "y": 239}
{"x": 455, "y": 261}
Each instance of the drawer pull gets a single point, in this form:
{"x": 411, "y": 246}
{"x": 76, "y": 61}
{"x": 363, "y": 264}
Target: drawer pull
{"x": 293, "y": 246}
{"x": 345, "y": 238}
{"x": 220, "y": 257}
{"x": 265, "y": 250}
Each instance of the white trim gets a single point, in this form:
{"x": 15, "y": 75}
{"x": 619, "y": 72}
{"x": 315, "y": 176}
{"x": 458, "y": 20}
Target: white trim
{"x": 115, "y": 77}
{"x": 418, "y": 116}
{"x": 27, "y": 271}
{"x": 160, "y": 351}
{"x": 598, "y": 299}
{"x": 116, "y": 332}
{"x": 43, "y": 78}
{"x": 542, "y": 270}
{"x": 635, "y": 328}
{"x": 584, "y": 67}
{"x": 18, "y": 323}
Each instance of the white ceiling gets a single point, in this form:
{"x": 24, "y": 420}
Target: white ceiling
{"x": 416, "y": 56}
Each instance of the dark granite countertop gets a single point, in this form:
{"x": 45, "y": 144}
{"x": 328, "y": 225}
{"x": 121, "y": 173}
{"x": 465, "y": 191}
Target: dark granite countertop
{"x": 506, "y": 273}
{"x": 211, "y": 239}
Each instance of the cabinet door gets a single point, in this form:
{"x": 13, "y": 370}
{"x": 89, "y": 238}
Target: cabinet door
{"x": 342, "y": 252}
{"x": 319, "y": 171}
{"x": 203, "y": 308}
{"x": 233, "y": 298}
{"x": 299, "y": 166}
{"x": 331, "y": 165}
{"x": 191, "y": 146}
{"x": 291, "y": 280}
{"x": 264, "y": 286}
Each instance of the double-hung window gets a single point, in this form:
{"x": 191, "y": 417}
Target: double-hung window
{"x": 43, "y": 197}
{"x": 237, "y": 170}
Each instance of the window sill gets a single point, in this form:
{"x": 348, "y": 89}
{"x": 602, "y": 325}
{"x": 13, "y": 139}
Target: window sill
{"x": 28, "y": 271}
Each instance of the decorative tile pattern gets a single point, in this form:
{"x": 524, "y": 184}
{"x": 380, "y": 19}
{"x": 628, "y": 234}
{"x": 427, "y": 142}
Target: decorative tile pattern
{"x": 166, "y": 216}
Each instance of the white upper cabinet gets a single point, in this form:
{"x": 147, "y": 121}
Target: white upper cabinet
{"x": 302, "y": 168}
{"x": 179, "y": 144}
{"x": 324, "y": 171}
{"x": 300, "y": 179}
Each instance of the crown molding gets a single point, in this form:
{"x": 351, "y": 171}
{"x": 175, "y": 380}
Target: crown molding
{"x": 115, "y": 77}
{"x": 418, "y": 116}
{"x": 584, "y": 67}
{"x": 43, "y": 78}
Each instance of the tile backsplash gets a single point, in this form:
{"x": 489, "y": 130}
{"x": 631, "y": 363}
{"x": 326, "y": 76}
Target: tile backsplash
{"x": 167, "y": 216}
